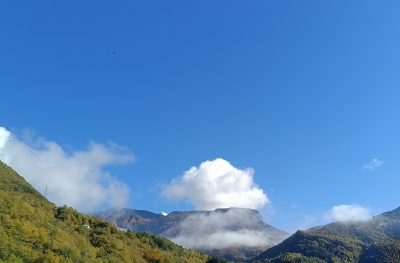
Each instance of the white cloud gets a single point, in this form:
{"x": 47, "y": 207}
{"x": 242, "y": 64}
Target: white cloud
{"x": 217, "y": 184}
{"x": 225, "y": 239}
{"x": 76, "y": 179}
{"x": 4, "y": 136}
{"x": 347, "y": 212}
{"x": 373, "y": 164}
{"x": 343, "y": 213}
{"x": 232, "y": 228}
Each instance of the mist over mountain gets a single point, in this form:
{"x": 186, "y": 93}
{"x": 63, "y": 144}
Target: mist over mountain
{"x": 29, "y": 222}
{"x": 346, "y": 241}
{"x": 233, "y": 233}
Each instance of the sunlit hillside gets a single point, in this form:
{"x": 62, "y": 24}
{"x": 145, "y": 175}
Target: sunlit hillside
{"x": 32, "y": 229}
{"x": 347, "y": 241}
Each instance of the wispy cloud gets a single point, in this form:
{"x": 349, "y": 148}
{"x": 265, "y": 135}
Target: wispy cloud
{"x": 76, "y": 179}
{"x": 347, "y": 212}
{"x": 217, "y": 184}
{"x": 343, "y": 213}
{"x": 373, "y": 164}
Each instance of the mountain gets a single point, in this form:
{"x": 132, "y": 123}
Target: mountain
{"x": 351, "y": 241}
{"x": 233, "y": 233}
{"x": 32, "y": 229}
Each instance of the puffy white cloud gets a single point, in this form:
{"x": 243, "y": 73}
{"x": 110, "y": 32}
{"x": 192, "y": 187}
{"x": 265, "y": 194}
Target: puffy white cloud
{"x": 76, "y": 179}
{"x": 347, "y": 212}
{"x": 217, "y": 184}
{"x": 373, "y": 164}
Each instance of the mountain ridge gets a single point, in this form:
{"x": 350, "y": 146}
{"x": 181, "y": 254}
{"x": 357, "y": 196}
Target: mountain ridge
{"x": 239, "y": 225}
{"x": 135, "y": 219}
{"x": 347, "y": 241}
{"x": 32, "y": 229}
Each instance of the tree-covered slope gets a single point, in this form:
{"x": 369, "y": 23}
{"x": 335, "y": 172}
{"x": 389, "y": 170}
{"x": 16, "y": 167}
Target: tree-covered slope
{"x": 351, "y": 241}
{"x": 34, "y": 230}
{"x": 329, "y": 248}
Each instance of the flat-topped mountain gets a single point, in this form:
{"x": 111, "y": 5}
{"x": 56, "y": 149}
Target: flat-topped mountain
{"x": 233, "y": 233}
{"x": 146, "y": 221}
{"x": 32, "y": 229}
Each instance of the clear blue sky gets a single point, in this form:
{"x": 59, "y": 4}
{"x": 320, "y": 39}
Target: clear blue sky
{"x": 304, "y": 92}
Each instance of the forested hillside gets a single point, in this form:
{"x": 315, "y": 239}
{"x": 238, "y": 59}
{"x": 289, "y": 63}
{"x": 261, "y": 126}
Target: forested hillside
{"x": 304, "y": 246}
{"x": 34, "y": 230}
{"x": 349, "y": 241}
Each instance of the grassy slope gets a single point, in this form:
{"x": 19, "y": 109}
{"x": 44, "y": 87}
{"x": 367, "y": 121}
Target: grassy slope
{"x": 34, "y": 230}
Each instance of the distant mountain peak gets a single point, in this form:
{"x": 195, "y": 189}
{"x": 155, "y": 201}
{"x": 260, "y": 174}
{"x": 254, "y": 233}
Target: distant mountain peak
{"x": 243, "y": 230}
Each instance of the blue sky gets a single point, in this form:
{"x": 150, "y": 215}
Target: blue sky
{"x": 306, "y": 93}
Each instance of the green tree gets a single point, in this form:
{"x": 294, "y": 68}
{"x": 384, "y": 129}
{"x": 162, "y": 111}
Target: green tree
{"x": 389, "y": 249}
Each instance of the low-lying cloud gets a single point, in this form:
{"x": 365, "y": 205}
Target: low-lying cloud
{"x": 76, "y": 179}
{"x": 224, "y": 239}
{"x": 217, "y": 184}
{"x": 217, "y": 230}
{"x": 347, "y": 212}
{"x": 339, "y": 213}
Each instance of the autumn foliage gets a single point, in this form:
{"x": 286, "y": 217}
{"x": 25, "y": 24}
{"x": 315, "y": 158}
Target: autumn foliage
{"x": 34, "y": 230}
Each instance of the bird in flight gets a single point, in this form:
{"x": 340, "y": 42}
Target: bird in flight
{"x": 114, "y": 52}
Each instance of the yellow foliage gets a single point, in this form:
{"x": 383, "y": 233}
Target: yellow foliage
{"x": 35, "y": 230}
